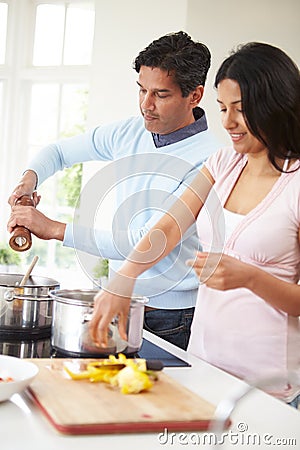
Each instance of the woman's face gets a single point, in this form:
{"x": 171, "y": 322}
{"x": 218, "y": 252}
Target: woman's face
{"x": 231, "y": 108}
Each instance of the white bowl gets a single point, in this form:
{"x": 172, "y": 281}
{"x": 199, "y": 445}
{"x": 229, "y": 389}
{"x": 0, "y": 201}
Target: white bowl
{"x": 22, "y": 372}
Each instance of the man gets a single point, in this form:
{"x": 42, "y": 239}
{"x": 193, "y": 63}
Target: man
{"x": 155, "y": 156}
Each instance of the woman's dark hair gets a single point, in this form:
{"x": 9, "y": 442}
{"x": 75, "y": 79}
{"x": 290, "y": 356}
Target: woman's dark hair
{"x": 270, "y": 92}
{"x": 179, "y": 55}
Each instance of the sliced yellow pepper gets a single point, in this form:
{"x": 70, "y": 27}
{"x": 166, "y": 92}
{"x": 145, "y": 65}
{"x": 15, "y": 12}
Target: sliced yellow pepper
{"x": 85, "y": 374}
{"x": 127, "y": 374}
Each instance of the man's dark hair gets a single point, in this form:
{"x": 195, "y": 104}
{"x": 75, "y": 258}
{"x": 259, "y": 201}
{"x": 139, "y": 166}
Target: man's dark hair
{"x": 179, "y": 55}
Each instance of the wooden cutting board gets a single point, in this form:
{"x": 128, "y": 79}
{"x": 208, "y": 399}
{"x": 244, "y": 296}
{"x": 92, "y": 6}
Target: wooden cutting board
{"x": 82, "y": 407}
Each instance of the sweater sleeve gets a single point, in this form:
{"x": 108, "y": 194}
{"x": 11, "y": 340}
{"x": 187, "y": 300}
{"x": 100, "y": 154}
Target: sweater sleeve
{"x": 117, "y": 244}
{"x": 97, "y": 144}
{"x": 95, "y": 242}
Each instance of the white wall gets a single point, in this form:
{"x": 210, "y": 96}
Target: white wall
{"x": 123, "y": 28}
{"x": 223, "y": 24}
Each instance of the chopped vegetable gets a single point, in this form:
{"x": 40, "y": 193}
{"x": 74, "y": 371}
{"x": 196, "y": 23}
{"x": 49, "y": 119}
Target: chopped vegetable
{"x": 129, "y": 375}
{"x": 80, "y": 375}
{"x": 131, "y": 380}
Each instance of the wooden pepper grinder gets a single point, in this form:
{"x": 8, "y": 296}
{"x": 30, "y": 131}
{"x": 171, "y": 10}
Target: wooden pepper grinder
{"x": 20, "y": 239}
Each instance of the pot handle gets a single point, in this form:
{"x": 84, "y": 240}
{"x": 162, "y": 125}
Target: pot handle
{"x": 9, "y": 295}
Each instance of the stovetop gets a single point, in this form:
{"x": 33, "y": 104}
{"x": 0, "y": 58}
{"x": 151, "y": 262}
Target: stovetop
{"x": 24, "y": 347}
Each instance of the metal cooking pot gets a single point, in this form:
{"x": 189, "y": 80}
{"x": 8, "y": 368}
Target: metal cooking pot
{"x": 72, "y": 311}
{"x": 27, "y": 308}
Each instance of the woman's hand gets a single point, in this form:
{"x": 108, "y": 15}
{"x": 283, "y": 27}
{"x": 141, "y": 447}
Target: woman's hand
{"x": 112, "y": 302}
{"x": 219, "y": 271}
{"x": 106, "y": 307}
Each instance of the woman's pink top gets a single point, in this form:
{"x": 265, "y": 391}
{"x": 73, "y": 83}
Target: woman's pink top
{"x": 235, "y": 329}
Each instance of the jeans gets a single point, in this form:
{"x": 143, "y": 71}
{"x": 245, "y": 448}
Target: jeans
{"x": 173, "y": 325}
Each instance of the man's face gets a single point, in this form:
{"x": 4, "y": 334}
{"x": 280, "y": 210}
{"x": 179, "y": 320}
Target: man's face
{"x": 161, "y": 102}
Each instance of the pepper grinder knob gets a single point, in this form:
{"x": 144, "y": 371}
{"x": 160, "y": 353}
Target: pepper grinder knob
{"x": 20, "y": 239}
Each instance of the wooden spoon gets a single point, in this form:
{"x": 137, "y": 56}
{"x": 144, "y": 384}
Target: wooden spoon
{"x": 28, "y": 272}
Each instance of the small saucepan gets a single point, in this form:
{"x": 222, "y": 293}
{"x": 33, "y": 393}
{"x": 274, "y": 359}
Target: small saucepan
{"x": 28, "y": 307}
{"x": 72, "y": 311}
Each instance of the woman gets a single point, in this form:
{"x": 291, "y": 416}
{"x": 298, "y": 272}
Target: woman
{"x": 247, "y": 315}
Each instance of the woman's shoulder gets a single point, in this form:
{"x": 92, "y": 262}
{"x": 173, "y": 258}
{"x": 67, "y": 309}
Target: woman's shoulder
{"x": 226, "y": 158}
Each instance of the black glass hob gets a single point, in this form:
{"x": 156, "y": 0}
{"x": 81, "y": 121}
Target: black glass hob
{"x": 32, "y": 346}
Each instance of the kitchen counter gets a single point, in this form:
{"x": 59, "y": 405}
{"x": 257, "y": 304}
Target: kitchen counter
{"x": 258, "y": 420}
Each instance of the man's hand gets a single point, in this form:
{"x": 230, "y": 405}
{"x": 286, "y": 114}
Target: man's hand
{"x": 40, "y": 225}
{"x": 26, "y": 186}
